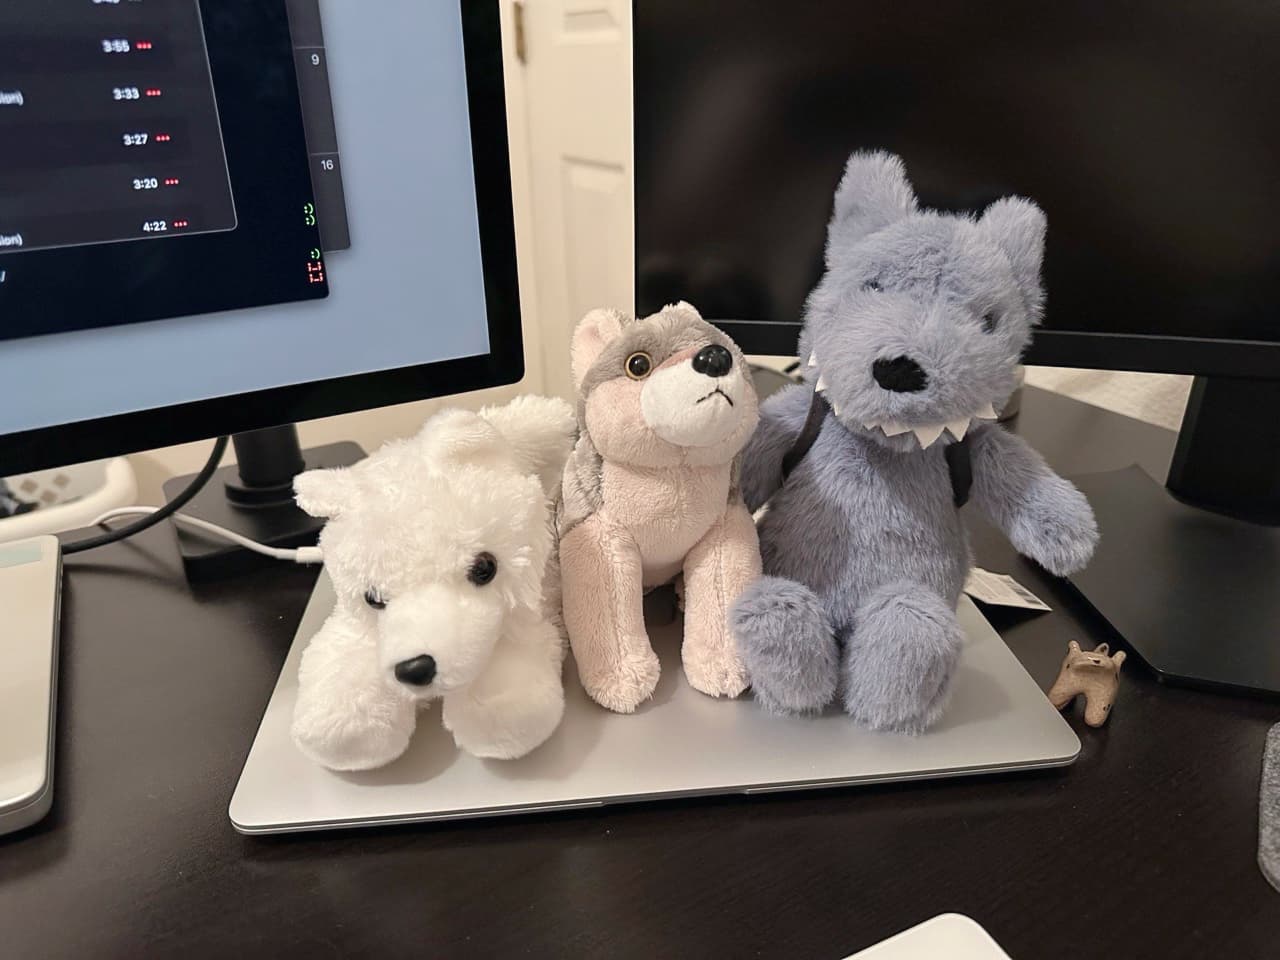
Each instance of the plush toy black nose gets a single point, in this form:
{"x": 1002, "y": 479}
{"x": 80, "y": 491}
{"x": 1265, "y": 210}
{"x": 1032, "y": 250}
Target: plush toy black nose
{"x": 419, "y": 671}
{"x": 714, "y": 361}
{"x": 901, "y": 375}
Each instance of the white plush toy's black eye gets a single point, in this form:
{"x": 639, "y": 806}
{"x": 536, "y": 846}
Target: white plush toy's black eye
{"x": 989, "y": 322}
{"x": 873, "y": 285}
{"x": 483, "y": 569}
{"x": 375, "y": 599}
{"x": 638, "y": 365}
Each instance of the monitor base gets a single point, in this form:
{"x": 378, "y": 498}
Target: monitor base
{"x": 1193, "y": 593}
{"x": 262, "y": 510}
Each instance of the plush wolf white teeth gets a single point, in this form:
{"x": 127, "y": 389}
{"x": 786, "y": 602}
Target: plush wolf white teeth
{"x": 928, "y": 434}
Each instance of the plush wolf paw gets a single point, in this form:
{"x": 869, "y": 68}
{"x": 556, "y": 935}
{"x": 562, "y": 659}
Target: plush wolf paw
{"x": 1057, "y": 530}
{"x": 722, "y": 675}
{"x": 899, "y": 659}
{"x": 786, "y": 645}
{"x": 628, "y": 681}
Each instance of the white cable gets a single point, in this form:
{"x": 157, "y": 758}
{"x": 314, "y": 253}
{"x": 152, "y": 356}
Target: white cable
{"x": 300, "y": 555}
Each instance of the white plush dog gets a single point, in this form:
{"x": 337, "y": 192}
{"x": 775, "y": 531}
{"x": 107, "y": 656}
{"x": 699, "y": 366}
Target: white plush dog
{"x": 442, "y": 553}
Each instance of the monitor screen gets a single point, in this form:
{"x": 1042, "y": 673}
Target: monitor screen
{"x": 1147, "y": 129}
{"x": 207, "y": 198}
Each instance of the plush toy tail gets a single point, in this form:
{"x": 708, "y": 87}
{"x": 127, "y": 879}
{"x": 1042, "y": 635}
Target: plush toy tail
{"x": 787, "y": 644}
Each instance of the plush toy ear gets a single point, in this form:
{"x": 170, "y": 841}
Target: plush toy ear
{"x": 1017, "y": 227}
{"x": 873, "y": 193}
{"x": 324, "y": 493}
{"x": 458, "y": 436}
{"x": 592, "y": 335}
{"x": 1118, "y": 658}
{"x": 685, "y": 309}
{"x": 539, "y": 431}
{"x": 1073, "y": 647}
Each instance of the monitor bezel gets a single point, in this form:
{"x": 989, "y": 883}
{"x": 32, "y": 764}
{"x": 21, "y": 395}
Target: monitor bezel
{"x": 101, "y": 437}
{"x": 1242, "y": 359}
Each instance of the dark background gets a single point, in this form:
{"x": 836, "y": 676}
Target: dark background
{"x": 1147, "y": 129}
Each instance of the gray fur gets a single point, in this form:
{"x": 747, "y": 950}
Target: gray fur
{"x": 581, "y": 487}
{"x": 867, "y": 521}
{"x": 899, "y": 658}
{"x": 793, "y": 641}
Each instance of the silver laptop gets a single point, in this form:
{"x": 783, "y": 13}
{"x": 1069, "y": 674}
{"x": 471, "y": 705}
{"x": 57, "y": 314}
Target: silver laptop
{"x": 680, "y": 744}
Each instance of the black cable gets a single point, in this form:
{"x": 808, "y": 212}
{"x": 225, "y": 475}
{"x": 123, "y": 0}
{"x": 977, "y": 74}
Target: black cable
{"x": 169, "y": 509}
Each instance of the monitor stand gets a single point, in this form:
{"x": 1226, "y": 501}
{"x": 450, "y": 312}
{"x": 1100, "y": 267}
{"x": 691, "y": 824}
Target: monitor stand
{"x": 1188, "y": 574}
{"x": 255, "y": 498}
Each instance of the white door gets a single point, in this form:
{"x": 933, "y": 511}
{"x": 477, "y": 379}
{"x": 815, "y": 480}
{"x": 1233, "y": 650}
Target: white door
{"x": 577, "y": 71}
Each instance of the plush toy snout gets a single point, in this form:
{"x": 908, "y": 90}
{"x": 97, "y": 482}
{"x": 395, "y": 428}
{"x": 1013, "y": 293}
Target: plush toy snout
{"x": 433, "y": 640}
{"x": 695, "y": 399}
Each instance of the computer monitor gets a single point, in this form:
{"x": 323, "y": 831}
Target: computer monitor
{"x": 217, "y": 216}
{"x": 1147, "y": 132}
{"x": 221, "y": 215}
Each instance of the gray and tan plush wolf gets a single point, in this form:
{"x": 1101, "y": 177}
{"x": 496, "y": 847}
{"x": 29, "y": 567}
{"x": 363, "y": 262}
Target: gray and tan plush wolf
{"x": 912, "y": 338}
{"x": 665, "y": 406}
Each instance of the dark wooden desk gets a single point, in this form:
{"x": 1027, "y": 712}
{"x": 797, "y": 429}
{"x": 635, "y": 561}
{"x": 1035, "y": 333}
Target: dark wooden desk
{"x": 1145, "y": 848}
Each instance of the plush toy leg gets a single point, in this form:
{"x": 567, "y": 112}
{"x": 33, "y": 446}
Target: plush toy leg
{"x": 787, "y": 645}
{"x": 601, "y": 579}
{"x": 716, "y": 572}
{"x": 516, "y": 703}
{"x": 346, "y": 716}
{"x": 899, "y": 658}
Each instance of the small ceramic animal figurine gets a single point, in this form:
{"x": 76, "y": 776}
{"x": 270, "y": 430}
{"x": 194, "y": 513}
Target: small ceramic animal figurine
{"x": 1096, "y": 674}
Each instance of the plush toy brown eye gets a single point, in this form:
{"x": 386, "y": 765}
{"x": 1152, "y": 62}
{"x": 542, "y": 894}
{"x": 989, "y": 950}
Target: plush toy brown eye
{"x": 989, "y": 322}
{"x": 873, "y": 285}
{"x": 638, "y": 365}
{"x": 483, "y": 569}
{"x": 374, "y": 599}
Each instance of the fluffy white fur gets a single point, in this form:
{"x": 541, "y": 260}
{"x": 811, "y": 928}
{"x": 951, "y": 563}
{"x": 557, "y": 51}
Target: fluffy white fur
{"x": 405, "y": 528}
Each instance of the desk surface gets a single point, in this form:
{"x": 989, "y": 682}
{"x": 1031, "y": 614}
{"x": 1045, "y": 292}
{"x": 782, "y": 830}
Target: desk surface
{"x": 1145, "y": 848}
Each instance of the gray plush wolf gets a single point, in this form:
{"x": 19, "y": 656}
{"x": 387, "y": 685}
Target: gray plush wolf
{"x": 912, "y": 337}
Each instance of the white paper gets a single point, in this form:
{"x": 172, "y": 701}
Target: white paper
{"x": 1001, "y": 590}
